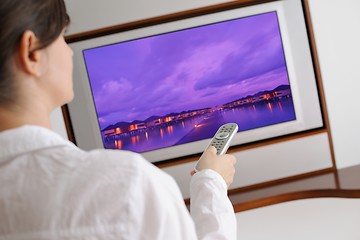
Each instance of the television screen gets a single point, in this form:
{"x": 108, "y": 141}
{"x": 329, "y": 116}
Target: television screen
{"x": 179, "y": 87}
{"x": 163, "y": 89}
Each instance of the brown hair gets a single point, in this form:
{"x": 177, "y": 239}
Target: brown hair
{"x": 46, "y": 18}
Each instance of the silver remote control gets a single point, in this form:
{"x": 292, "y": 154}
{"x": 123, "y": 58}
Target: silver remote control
{"x": 222, "y": 138}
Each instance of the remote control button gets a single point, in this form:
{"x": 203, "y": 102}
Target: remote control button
{"x": 222, "y": 135}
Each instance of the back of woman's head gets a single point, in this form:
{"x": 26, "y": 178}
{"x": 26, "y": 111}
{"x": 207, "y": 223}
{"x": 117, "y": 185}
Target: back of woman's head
{"x": 46, "y": 18}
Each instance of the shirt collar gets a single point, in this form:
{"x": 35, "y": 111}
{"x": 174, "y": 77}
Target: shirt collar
{"x": 28, "y": 138}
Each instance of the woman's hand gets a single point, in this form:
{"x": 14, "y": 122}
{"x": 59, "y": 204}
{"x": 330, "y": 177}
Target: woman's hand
{"x": 222, "y": 164}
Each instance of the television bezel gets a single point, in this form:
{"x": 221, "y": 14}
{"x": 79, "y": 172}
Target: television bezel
{"x": 298, "y": 53}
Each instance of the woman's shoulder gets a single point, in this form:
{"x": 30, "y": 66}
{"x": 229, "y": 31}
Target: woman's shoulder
{"x": 117, "y": 159}
{"x": 125, "y": 163}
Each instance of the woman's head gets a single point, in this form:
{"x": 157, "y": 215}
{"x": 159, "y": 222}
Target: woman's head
{"x": 46, "y": 19}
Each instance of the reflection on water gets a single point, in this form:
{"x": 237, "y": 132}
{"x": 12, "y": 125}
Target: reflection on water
{"x": 135, "y": 139}
{"x": 118, "y": 144}
{"x": 202, "y": 127}
{"x": 170, "y": 129}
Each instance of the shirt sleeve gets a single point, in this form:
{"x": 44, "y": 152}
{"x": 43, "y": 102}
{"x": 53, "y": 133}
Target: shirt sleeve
{"x": 210, "y": 207}
{"x": 160, "y": 210}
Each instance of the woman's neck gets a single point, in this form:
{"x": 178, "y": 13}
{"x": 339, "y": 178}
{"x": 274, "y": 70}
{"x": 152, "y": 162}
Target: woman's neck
{"x": 16, "y": 116}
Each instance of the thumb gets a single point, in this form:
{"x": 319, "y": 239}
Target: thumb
{"x": 211, "y": 150}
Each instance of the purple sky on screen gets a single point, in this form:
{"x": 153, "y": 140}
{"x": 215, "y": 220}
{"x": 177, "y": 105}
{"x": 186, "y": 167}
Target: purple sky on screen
{"x": 190, "y": 69}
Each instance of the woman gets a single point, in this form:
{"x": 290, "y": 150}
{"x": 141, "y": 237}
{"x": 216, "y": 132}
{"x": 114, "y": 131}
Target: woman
{"x": 50, "y": 189}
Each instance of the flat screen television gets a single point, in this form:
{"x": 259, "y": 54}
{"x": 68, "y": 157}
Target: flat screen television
{"x": 163, "y": 90}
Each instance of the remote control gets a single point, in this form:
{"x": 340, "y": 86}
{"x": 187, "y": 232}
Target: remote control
{"x": 222, "y": 138}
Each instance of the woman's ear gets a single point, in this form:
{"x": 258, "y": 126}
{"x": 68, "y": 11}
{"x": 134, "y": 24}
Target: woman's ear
{"x": 30, "y": 56}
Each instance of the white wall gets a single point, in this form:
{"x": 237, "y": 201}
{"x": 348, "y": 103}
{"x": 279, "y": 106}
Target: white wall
{"x": 310, "y": 219}
{"x": 337, "y": 36}
{"x": 337, "y": 33}
{"x": 92, "y": 14}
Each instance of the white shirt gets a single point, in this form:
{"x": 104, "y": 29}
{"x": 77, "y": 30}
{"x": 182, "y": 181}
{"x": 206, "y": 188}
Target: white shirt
{"x": 50, "y": 189}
